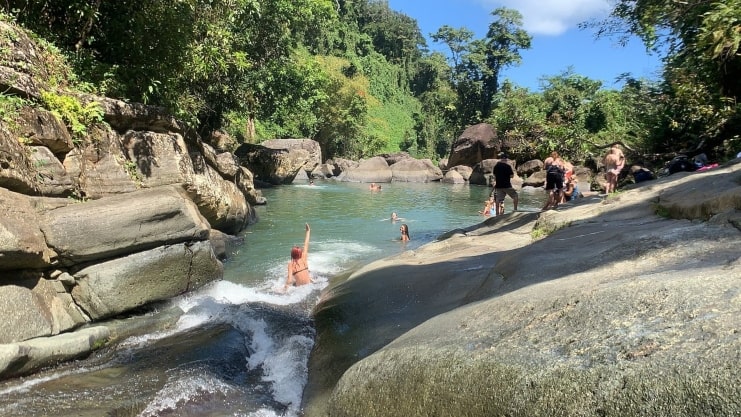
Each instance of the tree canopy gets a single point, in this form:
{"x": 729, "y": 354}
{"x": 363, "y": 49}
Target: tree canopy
{"x": 358, "y": 77}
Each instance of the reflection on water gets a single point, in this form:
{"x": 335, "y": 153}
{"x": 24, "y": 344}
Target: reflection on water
{"x": 241, "y": 346}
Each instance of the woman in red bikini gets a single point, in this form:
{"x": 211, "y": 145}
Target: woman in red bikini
{"x": 298, "y": 267}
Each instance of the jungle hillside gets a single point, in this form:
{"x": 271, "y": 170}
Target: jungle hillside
{"x": 360, "y": 78}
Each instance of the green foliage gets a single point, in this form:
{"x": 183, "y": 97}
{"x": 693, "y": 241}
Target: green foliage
{"x": 199, "y": 58}
{"x": 569, "y": 100}
{"x": 394, "y": 35}
{"x": 570, "y": 116}
{"x": 391, "y": 123}
{"x": 356, "y": 75}
{"x": 50, "y": 65}
{"x": 291, "y": 95}
{"x": 661, "y": 211}
{"x": 436, "y": 122}
{"x": 477, "y": 63}
{"x": 544, "y": 227}
{"x": 76, "y": 115}
{"x": 520, "y": 116}
{"x": 100, "y": 343}
{"x": 700, "y": 41}
{"x": 720, "y": 32}
{"x": 10, "y": 106}
{"x": 344, "y": 111}
{"x": 132, "y": 171}
{"x": 431, "y": 138}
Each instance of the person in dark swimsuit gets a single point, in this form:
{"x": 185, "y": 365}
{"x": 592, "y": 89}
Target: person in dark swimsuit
{"x": 298, "y": 266}
{"x": 554, "y": 184}
{"x": 503, "y": 174}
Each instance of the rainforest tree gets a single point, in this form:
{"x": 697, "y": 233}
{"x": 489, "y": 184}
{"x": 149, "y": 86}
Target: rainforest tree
{"x": 700, "y": 41}
{"x": 477, "y": 63}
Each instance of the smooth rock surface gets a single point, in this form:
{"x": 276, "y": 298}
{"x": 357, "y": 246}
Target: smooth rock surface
{"x": 618, "y": 307}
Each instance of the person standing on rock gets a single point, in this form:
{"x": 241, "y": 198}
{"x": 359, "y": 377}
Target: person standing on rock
{"x": 549, "y": 161}
{"x": 614, "y": 162}
{"x": 554, "y": 178}
{"x": 298, "y": 266}
{"x": 503, "y": 174}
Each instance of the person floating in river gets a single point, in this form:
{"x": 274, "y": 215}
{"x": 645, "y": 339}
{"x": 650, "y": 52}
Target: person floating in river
{"x": 404, "y": 233}
{"x": 489, "y": 207}
{"x": 298, "y": 266}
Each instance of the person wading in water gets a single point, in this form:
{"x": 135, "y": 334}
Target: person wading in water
{"x": 298, "y": 266}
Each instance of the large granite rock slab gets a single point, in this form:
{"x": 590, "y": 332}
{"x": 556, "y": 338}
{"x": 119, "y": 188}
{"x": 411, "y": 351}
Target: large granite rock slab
{"x": 123, "y": 224}
{"x": 100, "y": 168}
{"x": 415, "y": 170}
{"x": 24, "y": 357}
{"x": 22, "y": 244}
{"x": 16, "y": 167}
{"x": 51, "y": 177}
{"x": 39, "y": 127}
{"x": 28, "y": 356}
{"x": 221, "y": 202}
{"x": 612, "y": 307}
{"x": 307, "y": 151}
{"x": 374, "y": 169}
{"x": 278, "y": 161}
{"x": 34, "y": 306}
{"x": 18, "y": 302}
{"x": 476, "y": 143}
{"x": 112, "y": 287}
{"x": 25, "y": 71}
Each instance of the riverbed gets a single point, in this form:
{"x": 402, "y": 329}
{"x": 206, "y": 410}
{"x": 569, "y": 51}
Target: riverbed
{"x": 242, "y": 345}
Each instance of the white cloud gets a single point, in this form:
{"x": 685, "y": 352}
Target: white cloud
{"x": 552, "y": 17}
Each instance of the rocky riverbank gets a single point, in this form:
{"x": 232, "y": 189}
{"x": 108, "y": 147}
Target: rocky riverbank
{"x": 107, "y": 207}
{"x": 629, "y": 305}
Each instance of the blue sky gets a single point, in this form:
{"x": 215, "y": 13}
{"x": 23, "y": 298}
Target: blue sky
{"x": 557, "y": 41}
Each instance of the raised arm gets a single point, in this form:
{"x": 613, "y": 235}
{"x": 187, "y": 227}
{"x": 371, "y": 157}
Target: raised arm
{"x": 305, "y": 252}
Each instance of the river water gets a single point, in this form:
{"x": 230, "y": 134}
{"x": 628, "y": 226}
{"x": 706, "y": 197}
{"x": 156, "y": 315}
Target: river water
{"x": 241, "y": 348}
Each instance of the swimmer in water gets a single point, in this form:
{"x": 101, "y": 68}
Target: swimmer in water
{"x": 404, "y": 233}
{"x": 298, "y": 266}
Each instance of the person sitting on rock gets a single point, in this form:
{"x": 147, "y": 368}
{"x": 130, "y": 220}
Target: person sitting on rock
{"x": 571, "y": 189}
{"x": 641, "y": 174}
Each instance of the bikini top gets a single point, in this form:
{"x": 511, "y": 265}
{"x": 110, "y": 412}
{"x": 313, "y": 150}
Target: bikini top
{"x": 300, "y": 270}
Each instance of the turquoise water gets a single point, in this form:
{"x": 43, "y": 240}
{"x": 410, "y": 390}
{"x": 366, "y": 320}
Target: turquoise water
{"x": 351, "y": 225}
{"x": 242, "y": 345}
